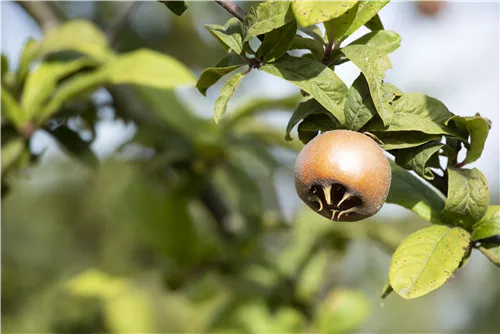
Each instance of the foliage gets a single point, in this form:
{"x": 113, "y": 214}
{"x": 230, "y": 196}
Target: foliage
{"x": 195, "y": 199}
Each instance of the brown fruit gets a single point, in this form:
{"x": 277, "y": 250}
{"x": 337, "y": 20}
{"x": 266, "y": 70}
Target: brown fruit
{"x": 343, "y": 175}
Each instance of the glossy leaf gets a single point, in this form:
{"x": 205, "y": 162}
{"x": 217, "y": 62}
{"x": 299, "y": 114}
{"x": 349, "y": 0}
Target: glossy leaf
{"x": 268, "y": 16}
{"x": 226, "y": 94}
{"x": 358, "y": 107}
{"x": 468, "y": 196}
{"x": 277, "y": 42}
{"x": 477, "y": 128}
{"x": 408, "y": 191}
{"x": 373, "y": 63}
{"x": 213, "y": 74}
{"x": 314, "y": 78}
{"x": 230, "y": 36}
{"x": 75, "y": 146}
{"x": 404, "y": 139}
{"x": 301, "y": 43}
{"x": 417, "y": 112}
{"x": 342, "y": 27}
{"x": 342, "y": 311}
{"x": 416, "y": 159}
{"x": 489, "y": 225}
{"x": 312, "y": 12}
{"x": 426, "y": 260}
{"x": 41, "y": 83}
{"x": 176, "y": 7}
{"x": 385, "y": 40}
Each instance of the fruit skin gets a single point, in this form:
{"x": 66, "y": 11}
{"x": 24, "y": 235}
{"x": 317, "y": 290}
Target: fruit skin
{"x": 350, "y": 159}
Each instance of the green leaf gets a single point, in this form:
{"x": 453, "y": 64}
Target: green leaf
{"x": 408, "y": 191}
{"x": 404, "y": 139}
{"x": 75, "y": 146}
{"x": 277, "y": 42}
{"x": 176, "y": 7}
{"x": 148, "y": 68}
{"x": 226, "y": 94}
{"x": 385, "y": 40}
{"x": 342, "y": 27}
{"x": 303, "y": 110}
{"x": 358, "y": 107}
{"x": 76, "y": 35}
{"x": 317, "y": 121}
{"x": 477, "y": 128}
{"x": 268, "y": 16}
{"x": 212, "y": 74}
{"x": 140, "y": 67}
{"x": 11, "y": 109}
{"x": 492, "y": 252}
{"x": 12, "y": 152}
{"x": 342, "y": 311}
{"x": 426, "y": 259}
{"x": 489, "y": 225}
{"x": 5, "y": 65}
{"x": 312, "y": 12}
{"x": 417, "y": 158}
{"x": 315, "y": 33}
{"x": 468, "y": 196}
{"x": 41, "y": 83}
{"x": 417, "y": 112}
{"x": 373, "y": 63}
{"x": 27, "y": 54}
{"x": 313, "y": 277}
{"x": 314, "y": 78}
{"x": 313, "y": 45}
{"x": 230, "y": 36}
{"x": 386, "y": 290}
{"x": 375, "y": 23}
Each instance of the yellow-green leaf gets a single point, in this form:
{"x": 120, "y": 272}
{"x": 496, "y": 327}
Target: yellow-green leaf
{"x": 312, "y": 12}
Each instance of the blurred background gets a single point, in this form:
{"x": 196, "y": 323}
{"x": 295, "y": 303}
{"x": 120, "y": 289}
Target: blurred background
{"x": 190, "y": 227}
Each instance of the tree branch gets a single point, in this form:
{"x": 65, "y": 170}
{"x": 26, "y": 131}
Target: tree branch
{"x": 232, "y": 8}
{"x": 119, "y": 22}
{"x": 43, "y": 12}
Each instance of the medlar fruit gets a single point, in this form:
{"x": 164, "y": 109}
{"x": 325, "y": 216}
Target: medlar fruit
{"x": 343, "y": 175}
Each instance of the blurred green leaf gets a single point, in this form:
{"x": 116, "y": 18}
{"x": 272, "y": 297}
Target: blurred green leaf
{"x": 213, "y": 74}
{"x": 268, "y": 16}
{"x": 468, "y": 197}
{"x": 342, "y": 311}
{"x": 277, "y": 42}
{"x": 27, "y": 55}
{"x": 489, "y": 225}
{"x": 12, "y": 152}
{"x": 4, "y": 65}
{"x": 375, "y": 23}
{"x": 41, "y": 83}
{"x": 176, "y": 7}
{"x": 342, "y": 27}
{"x": 409, "y": 192}
{"x": 230, "y": 36}
{"x": 301, "y": 43}
{"x": 477, "y": 128}
{"x": 373, "y": 63}
{"x": 426, "y": 260}
{"x": 226, "y": 94}
{"x": 417, "y": 158}
{"x": 385, "y": 40}
{"x": 11, "y": 109}
{"x": 312, "y": 12}
{"x": 492, "y": 252}
{"x": 75, "y": 146}
{"x": 358, "y": 107}
{"x": 314, "y": 78}
{"x": 313, "y": 278}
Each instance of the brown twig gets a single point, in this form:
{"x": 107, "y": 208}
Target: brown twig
{"x": 232, "y": 8}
